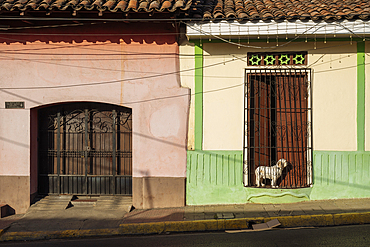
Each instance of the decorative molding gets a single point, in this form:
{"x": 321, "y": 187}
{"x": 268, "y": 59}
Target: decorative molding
{"x": 287, "y": 193}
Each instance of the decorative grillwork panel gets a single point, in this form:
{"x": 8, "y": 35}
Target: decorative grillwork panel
{"x": 84, "y": 146}
{"x": 273, "y": 58}
{"x": 278, "y": 127}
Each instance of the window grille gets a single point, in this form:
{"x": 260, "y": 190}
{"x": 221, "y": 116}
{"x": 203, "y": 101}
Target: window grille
{"x": 277, "y": 59}
{"x": 277, "y": 120}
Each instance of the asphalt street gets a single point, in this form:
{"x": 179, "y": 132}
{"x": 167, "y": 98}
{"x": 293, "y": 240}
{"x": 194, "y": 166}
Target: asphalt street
{"x": 354, "y": 235}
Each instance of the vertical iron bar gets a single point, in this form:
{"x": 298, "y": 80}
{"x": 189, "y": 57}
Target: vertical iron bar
{"x": 293, "y": 114}
{"x": 265, "y": 115}
{"x": 282, "y": 79}
{"x": 258, "y": 108}
{"x": 101, "y": 148}
{"x": 114, "y": 115}
{"x": 273, "y": 118}
{"x": 253, "y": 116}
{"x": 309, "y": 142}
{"x": 246, "y": 179}
{"x": 269, "y": 117}
{"x": 86, "y": 147}
{"x": 58, "y": 153}
{"x": 64, "y": 147}
{"x": 250, "y": 137}
{"x": 291, "y": 79}
{"x": 90, "y": 143}
{"x": 301, "y": 118}
{"x": 269, "y": 112}
{"x": 304, "y": 127}
{"x": 119, "y": 146}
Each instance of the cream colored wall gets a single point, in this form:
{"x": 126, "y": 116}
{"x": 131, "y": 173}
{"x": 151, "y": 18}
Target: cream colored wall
{"x": 334, "y": 94}
{"x": 367, "y": 97}
{"x": 223, "y": 86}
{"x": 186, "y": 51}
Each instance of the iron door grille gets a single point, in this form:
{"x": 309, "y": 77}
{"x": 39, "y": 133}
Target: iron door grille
{"x": 85, "y": 148}
{"x": 278, "y": 125}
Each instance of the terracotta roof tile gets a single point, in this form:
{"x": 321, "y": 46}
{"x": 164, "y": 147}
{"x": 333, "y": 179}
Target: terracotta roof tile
{"x": 100, "y": 5}
{"x": 282, "y": 9}
{"x": 209, "y": 9}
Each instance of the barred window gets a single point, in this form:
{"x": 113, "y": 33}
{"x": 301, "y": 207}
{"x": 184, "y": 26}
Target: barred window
{"x": 278, "y": 128}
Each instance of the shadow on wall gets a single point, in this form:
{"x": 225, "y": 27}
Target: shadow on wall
{"x": 17, "y": 95}
{"x": 328, "y": 181}
{"x": 23, "y": 145}
{"x": 6, "y": 210}
{"x": 147, "y": 191}
{"x": 160, "y": 33}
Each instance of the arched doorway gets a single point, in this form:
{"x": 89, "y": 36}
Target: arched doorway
{"x": 85, "y": 149}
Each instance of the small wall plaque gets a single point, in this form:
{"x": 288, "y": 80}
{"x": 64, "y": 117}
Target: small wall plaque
{"x": 14, "y": 105}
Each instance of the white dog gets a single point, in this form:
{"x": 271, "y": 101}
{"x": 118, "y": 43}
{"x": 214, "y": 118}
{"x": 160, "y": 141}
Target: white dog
{"x": 273, "y": 173}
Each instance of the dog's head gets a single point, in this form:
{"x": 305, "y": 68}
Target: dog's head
{"x": 282, "y": 163}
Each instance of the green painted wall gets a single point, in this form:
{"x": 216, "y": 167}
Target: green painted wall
{"x": 340, "y": 175}
{"x": 361, "y": 96}
{"x": 216, "y": 177}
{"x": 198, "y": 97}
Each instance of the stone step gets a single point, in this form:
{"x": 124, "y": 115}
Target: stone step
{"x": 83, "y": 202}
{"x": 57, "y": 198}
{"x": 115, "y": 203}
{"x": 115, "y": 199}
{"x": 51, "y": 203}
{"x": 63, "y": 202}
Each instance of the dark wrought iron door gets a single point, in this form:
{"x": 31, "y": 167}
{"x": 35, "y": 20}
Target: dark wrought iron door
{"x": 85, "y": 148}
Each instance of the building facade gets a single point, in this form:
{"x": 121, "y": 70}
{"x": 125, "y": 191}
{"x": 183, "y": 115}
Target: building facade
{"x": 277, "y": 87}
{"x": 91, "y": 106}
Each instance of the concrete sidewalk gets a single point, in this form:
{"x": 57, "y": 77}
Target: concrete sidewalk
{"x": 110, "y": 216}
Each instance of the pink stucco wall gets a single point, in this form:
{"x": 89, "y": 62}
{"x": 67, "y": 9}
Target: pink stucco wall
{"x": 45, "y": 69}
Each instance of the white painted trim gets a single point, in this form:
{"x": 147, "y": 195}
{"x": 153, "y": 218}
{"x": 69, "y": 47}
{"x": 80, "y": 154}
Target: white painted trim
{"x": 273, "y": 28}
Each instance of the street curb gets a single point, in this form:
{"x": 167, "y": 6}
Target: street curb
{"x": 243, "y": 223}
{"x": 44, "y": 235}
{"x": 192, "y": 226}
